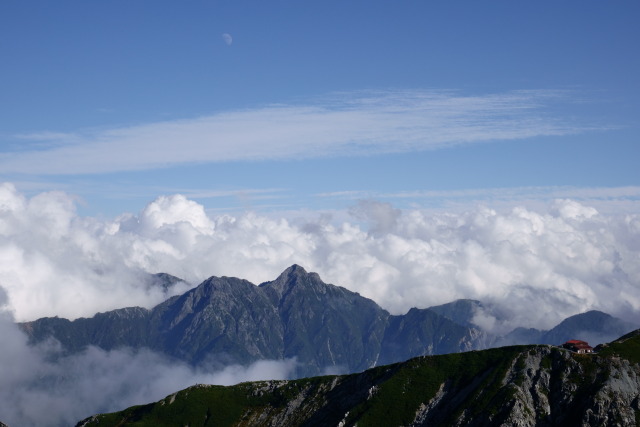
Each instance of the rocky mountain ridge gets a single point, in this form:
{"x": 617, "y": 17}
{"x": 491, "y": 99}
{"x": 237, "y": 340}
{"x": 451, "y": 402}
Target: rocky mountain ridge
{"x": 593, "y": 326}
{"x": 225, "y": 320}
{"x": 327, "y": 328}
{"x": 518, "y": 385}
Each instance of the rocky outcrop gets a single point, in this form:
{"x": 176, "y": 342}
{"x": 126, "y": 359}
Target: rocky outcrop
{"x": 327, "y": 328}
{"x": 557, "y": 387}
{"x": 226, "y": 320}
{"x": 510, "y": 386}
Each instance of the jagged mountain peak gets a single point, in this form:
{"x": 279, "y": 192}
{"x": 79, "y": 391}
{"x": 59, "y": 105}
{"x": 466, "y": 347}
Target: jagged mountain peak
{"x": 164, "y": 280}
{"x": 215, "y": 282}
{"x": 292, "y": 277}
{"x": 295, "y": 273}
{"x": 212, "y": 291}
{"x": 294, "y": 269}
{"x": 227, "y": 319}
{"x": 295, "y": 315}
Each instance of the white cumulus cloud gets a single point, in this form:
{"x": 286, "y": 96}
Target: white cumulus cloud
{"x": 533, "y": 266}
{"x": 536, "y": 265}
{"x": 40, "y": 388}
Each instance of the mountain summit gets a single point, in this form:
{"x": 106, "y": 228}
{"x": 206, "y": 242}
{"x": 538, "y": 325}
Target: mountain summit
{"x": 326, "y": 328}
{"x": 223, "y": 320}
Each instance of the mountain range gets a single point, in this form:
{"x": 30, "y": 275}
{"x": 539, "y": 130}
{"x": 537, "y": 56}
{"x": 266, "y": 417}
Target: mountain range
{"x": 536, "y": 385}
{"x": 327, "y": 328}
{"x": 592, "y": 326}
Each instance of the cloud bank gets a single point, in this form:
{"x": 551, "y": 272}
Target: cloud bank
{"x": 536, "y": 266}
{"x": 345, "y": 124}
{"x": 42, "y": 387}
{"x": 39, "y": 389}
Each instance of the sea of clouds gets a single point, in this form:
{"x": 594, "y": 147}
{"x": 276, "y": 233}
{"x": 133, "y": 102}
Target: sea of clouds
{"x": 537, "y": 266}
{"x": 534, "y": 267}
{"x": 40, "y": 387}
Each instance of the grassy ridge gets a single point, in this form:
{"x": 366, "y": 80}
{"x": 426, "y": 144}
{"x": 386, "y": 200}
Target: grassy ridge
{"x": 626, "y": 347}
{"x": 473, "y": 382}
{"x": 474, "y": 375}
{"x": 396, "y": 391}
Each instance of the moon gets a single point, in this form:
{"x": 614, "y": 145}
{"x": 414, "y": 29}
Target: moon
{"x": 227, "y": 38}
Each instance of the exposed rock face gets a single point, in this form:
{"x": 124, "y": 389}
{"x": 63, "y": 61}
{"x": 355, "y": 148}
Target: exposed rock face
{"x": 510, "y": 386}
{"x": 327, "y": 328}
{"x": 409, "y": 333}
{"x": 555, "y": 387}
{"x": 229, "y": 320}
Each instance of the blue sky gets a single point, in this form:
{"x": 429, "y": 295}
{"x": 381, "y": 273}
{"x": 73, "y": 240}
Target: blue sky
{"x": 283, "y": 105}
{"x": 416, "y": 152}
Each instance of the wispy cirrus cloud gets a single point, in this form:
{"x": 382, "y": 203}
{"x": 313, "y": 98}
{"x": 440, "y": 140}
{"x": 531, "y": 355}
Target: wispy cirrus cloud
{"x": 605, "y": 199}
{"x": 345, "y": 124}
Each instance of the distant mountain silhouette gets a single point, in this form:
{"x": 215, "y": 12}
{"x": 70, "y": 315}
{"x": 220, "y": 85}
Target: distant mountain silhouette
{"x": 326, "y": 328}
{"x": 593, "y": 326}
{"x": 229, "y": 320}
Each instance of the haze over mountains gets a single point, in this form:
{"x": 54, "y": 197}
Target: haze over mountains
{"x": 325, "y": 328}
{"x": 230, "y": 320}
{"x": 228, "y": 330}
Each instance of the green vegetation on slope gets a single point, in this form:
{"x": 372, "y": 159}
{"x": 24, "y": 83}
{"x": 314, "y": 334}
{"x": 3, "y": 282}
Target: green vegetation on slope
{"x": 395, "y": 391}
{"x": 483, "y": 387}
{"x": 209, "y": 405}
{"x": 475, "y": 375}
{"x": 626, "y": 347}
